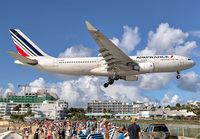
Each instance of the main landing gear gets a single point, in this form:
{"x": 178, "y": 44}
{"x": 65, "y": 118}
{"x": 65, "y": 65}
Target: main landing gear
{"x": 111, "y": 80}
{"x": 178, "y": 75}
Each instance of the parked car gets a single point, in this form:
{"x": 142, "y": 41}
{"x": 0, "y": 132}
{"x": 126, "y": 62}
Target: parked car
{"x": 156, "y": 131}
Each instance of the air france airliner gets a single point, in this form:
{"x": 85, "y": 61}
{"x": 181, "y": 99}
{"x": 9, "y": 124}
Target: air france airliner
{"x": 112, "y": 62}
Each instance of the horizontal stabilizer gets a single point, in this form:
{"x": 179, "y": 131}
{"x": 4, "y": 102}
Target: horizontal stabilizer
{"x": 23, "y": 59}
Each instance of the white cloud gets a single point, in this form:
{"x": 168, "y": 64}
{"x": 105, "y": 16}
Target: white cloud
{"x": 115, "y": 41}
{"x": 10, "y": 88}
{"x": 147, "y": 51}
{"x": 79, "y": 92}
{"x": 185, "y": 50}
{"x": 195, "y": 33}
{"x": 76, "y": 51}
{"x": 130, "y": 39}
{"x": 167, "y": 100}
{"x": 127, "y": 93}
{"x": 167, "y": 40}
{"x": 176, "y": 99}
{"x": 189, "y": 82}
{"x": 38, "y": 83}
{"x": 155, "y": 81}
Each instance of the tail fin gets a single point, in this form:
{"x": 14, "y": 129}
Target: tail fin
{"x": 24, "y": 45}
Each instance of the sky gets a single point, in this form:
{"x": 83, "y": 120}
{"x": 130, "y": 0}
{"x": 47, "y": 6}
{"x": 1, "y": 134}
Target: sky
{"x": 144, "y": 27}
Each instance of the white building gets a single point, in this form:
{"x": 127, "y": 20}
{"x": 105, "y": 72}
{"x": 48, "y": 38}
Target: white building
{"x": 117, "y": 107}
{"x": 55, "y": 110}
{"x": 3, "y": 108}
{"x": 165, "y": 113}
{"x": 35, "y": 102}
{"x": 196, "y": 103}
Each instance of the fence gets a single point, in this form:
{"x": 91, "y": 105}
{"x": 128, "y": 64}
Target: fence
{"x": 192, "y": 131}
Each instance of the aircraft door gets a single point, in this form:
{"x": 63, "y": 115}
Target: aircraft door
{"x": 181, "y": 64}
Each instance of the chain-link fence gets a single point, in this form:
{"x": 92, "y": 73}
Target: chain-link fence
{"x": 192, "y": 131}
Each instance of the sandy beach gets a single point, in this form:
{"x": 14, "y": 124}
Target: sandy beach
{"x": 3, "y": 126}
{"x": 2, "y": 123}
{"x": 19, "y": 127}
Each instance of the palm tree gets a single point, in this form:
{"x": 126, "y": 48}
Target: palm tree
{"x": 178, "y": 105}
{"x": 109, "y": 111}
{"x": 16, "y": 108}
{"x": 89, "y": 109}
{"x": 27, "y": 105}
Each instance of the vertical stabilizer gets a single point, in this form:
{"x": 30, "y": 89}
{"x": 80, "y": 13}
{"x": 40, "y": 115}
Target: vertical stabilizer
{"x": 24, "y": 45}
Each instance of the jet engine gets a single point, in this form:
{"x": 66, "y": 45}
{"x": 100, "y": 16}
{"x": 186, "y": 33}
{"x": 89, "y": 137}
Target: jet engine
{"x": 144, "y": 67}
{"x": 130, "y": 78}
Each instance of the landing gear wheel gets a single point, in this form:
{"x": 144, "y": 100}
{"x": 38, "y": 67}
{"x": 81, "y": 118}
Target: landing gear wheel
{"x": 178, "y": 76}
{"x": 106, "y": 85}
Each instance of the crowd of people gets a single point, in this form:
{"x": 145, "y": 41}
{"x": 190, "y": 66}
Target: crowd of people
{"x": 72, "y": 129}
{"x": 66, "y": 129}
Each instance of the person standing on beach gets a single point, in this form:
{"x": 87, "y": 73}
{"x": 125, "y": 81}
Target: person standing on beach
{"x": 37, "y": 134}
{"x": 26, "y": 134}
{"x": 134, "y": 130}
{"x": 49, "y": 133}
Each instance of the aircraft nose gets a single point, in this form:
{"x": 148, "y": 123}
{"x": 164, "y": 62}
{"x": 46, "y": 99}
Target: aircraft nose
{"x": 190, "y": 63}
{"x": 193, "y": 63}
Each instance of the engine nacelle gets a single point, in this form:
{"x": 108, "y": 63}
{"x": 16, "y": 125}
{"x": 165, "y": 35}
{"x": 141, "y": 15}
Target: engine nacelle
{"x": 144, "y": 67}
{"x": 130, "y": 78}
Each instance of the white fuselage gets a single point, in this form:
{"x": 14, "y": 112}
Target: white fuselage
{"x": 96, "y": 66}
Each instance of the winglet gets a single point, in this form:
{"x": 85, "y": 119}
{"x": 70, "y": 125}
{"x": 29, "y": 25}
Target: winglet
{"x": 89, "y": 26}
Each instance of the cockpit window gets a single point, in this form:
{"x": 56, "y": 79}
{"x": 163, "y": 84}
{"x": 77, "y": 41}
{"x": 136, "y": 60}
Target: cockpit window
{"x": 189, "y": 59}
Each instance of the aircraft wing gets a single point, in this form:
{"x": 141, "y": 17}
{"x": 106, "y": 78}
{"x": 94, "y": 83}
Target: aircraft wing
{"x": 23, "y": 59}
{"x": 114, "y": 57}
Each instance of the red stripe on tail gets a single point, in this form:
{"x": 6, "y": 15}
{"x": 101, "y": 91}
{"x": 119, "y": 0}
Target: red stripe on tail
{"x": 21, "y": 51}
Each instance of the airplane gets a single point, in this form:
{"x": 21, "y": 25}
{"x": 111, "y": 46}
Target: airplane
{"x": 114, "y": 63}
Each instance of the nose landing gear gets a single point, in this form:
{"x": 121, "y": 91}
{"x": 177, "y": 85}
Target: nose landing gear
{"x": 178, "y": 75}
